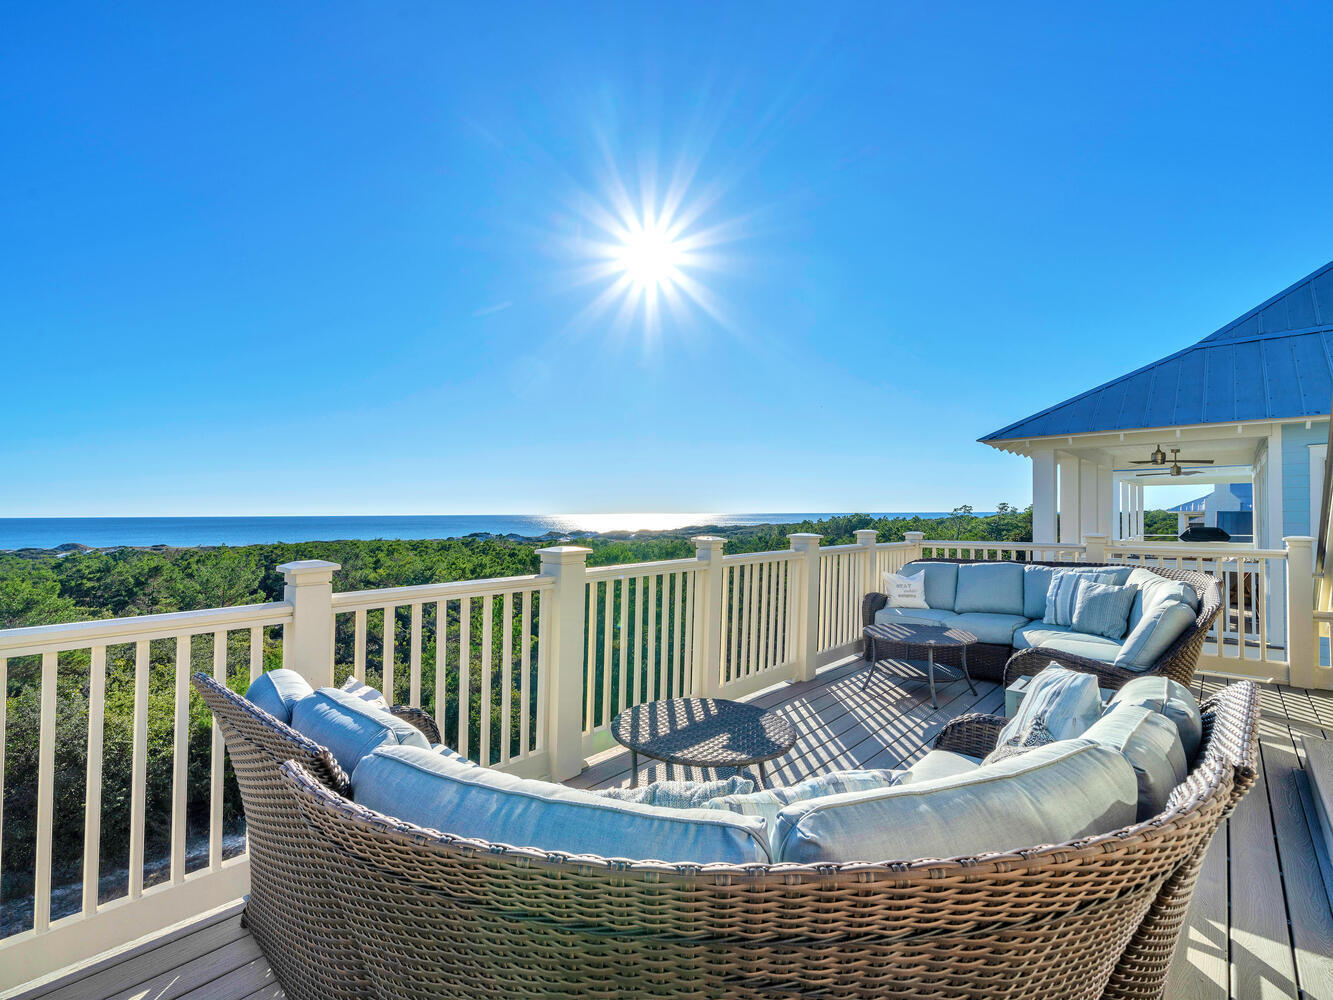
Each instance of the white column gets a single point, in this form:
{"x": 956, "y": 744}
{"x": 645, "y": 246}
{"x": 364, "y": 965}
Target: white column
{"x": 807, "y": 642}
{"x": 1106, "y": 503}
{"x": 308, "y": 644}
{"x": 1045, "y": 501}
{"x": 1274, "y": 470}
{"x": 1069, "y": 505}
{"x": 867, "y": 538}
{"x": 1301, "y": 643}
{"x": 1117, "y": 506}
{"x": 567, "y": 564}
{"x": 708, "y": 612}
{"x": 1088, "y": 501}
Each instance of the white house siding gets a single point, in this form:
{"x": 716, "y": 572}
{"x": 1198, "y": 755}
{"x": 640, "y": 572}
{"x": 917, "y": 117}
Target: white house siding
{"x": 1296, "y": 443}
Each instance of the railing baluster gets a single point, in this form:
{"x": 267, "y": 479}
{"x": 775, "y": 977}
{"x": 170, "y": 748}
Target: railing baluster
{"x": 139, "y": 768}
{"x": 543, "y": 669}
{"x": 464, "y": 673}
{"x": 180, "y": 760}
{"x": 652, "y": 638}
{"x": 589, "y": 654}
{"x": 606, "y": 651}
{"x": 730, "y": 671}
{"x": 92, "y": 802}
{"x": 641, "y": 610}
{"x": 414, "y": 662}
{"x": 507, "y": 677}
{"x": 441, "y": 674}
{"x": 359, "y": 644}
{"x": 256, "y": 652}
{"x": 524, "y": 669}
{"x": 487, "y": 665}
{"x": 218, "y": 759}
{"x": 622, "y": 698}
{"x": 386, "y": 667}
{"x": 46, "y": 781}
{"x": 677, "y": 599}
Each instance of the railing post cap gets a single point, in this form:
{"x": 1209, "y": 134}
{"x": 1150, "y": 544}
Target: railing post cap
{"x": 1097, "y": 535}
{"x": 308, "y": 570}
{"x": 866, "y": 534}
{"x": 708, "y": 541}
{"x": 1297, "y": 541}
{"x": 803, "y": 540}
{"x": 564, "y": 553}
{"x": 914, "y": 536}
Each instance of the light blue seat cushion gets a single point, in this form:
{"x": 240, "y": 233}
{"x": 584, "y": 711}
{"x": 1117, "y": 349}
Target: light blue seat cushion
{"x": 1151, "y": 744}
{"x": 941, "y": 582}
{"x": 349, "y": 727}
{"x": 431, "y": 790}
{"x": 1061, "y": 704}
{"x": 1173, "y": 700}
{"x": 938, "y": 764}
{"x": 1050, "y": 795}
{"x": 1064, "y": 639}
{"x": 768, "y": 802}
{"x": 1154, "y": 634}
{"x": 989, "y": 588}
{"x": 992, "y": 628}
{"x": 1153, "y": 590}
{"x": 914, "y": 616}
{"x": 1037, "y": 583}
{"x": 277, "y": 692}
{"x": 1102, "y": 608}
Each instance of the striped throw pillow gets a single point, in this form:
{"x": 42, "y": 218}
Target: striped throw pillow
{"x": 1062, "y": 595}
{"x": 365, "y": 692}
{"x": 768, "y": 802}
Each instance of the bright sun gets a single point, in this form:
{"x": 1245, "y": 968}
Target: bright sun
{"x": 650, "y": 258}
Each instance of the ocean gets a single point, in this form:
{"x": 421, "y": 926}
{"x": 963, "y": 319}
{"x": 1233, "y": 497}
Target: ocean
{"x": 104, "y": 532}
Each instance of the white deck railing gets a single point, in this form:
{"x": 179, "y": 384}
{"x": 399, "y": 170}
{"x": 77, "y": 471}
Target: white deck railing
{"x": 522, "y": 673}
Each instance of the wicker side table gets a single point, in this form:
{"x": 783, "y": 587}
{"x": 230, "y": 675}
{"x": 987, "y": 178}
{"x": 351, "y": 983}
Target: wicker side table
{"x": 908, "y": 641}
{"x": 703, "y": 732}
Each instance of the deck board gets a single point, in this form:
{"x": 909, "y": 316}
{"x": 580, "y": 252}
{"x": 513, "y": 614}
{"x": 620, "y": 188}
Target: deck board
{"x": 1259, "y": 925}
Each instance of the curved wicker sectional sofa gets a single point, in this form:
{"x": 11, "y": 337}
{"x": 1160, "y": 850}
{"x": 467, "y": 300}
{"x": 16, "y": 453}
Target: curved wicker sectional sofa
{"x": 998, "y": 662}
{"x": 347, "y": 902}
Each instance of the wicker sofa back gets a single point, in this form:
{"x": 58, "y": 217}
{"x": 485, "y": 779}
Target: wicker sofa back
{"x": 995, "y": 662}
{"x": 436, "y": 915}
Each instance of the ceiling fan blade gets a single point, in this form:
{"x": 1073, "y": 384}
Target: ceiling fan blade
{"x": 1145, "y": 461}
{"x": 1195, "y": 461}
{"x": 1140, "y": 475}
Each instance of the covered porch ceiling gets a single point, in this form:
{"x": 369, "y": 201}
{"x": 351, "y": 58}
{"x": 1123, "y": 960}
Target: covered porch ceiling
{"x": 1230, "y": 446}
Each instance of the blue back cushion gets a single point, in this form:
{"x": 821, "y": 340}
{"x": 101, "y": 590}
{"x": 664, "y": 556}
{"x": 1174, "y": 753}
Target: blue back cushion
{"x": 941, "y": 581}
{"x": 277, "y": 692}
{"x": 349, "y": 727}
{"x": 1173, "y": 700}
{"x": 432, "y": 790}
{"x": 989, "y": 588}
{"x": 1154, "y": 634}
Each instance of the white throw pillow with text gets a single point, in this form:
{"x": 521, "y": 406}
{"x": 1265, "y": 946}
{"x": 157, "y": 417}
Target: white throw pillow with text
{"x": 905, "y": 591}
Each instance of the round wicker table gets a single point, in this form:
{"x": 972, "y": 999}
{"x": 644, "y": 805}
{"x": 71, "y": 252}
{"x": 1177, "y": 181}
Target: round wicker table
{"x": 894, "y": 640}
{"x": 703, "y": 732}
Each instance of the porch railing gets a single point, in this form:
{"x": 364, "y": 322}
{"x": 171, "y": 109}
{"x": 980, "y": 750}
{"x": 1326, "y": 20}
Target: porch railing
{"x": 521, "y": 673}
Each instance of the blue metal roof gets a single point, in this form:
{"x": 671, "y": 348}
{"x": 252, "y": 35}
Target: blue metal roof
{"x": 1244, "y": 492}
{"x": 1275, "y": 361}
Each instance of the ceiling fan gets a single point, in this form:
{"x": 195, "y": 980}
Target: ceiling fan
{"x": 1158, "y": 457}
{"x": 1174, "y": 470}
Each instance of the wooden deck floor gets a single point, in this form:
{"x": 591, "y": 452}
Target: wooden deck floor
{"x": 1260, "y": 925}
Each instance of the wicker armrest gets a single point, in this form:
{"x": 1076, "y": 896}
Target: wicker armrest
{"x": 422, "y": 720}
{"x": 974, "y": 734}
{"x": 871, "y": 604}
{"x": 1030, "y": 662}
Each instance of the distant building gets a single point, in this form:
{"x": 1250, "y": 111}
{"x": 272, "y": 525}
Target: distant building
{"x": 1230, "y": 506}
{"x": 1254, "y": 397}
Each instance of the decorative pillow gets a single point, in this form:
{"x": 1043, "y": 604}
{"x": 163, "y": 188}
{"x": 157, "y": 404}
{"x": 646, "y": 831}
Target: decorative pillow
{"x": 1173, "y": 700}
{"x": 277, "y": 692}
{"x": 768, "y": 802}
{"x": 938, "y": 764}
{"x": 365, "y": 692}
{"x": 905, "y": 591}
{"x": 1063, "y": 592}
{"x": 1154, "y": 634}
{"x": 349, "y": 727}
{"x": 1101, "y": 609}
{"x": 1151, "y": 745}
{"x": 679, "y": 794}
{"x": 432, "y": 790}
{"x": 1060, "y": 705}
{"x": 1037, "y": 583}
{"x": 1056, "y": 793}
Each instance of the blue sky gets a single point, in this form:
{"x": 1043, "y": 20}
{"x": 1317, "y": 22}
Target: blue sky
{"x": 269, "y": 259}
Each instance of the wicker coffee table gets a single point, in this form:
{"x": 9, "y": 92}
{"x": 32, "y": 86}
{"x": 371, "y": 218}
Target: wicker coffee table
{"x": 901, "y": 641}
{"x": 703, "y": 732}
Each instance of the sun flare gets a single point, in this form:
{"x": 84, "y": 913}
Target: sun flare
{"x": 650, "y": 257}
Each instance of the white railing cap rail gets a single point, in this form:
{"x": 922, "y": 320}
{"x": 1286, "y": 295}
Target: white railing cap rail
{"x": 356, "y": 600}
{"x": 690, "y": 565}
{"x": 835, "y": 549}
{"x": 779, "y": 555}
{"x": 894, "y": 545}
{"x": 1198, "y": 550}
{"x": 111, "y": 631}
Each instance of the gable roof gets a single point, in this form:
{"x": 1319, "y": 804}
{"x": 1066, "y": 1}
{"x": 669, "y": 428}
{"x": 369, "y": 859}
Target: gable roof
{"x": 1244, "y": 492}
{"x": 1275, "y": 361}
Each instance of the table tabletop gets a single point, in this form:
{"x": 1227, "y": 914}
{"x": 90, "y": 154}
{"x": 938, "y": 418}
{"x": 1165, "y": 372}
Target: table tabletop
{"x": 704, "y": 732}
{"x": 920, "y": 635}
